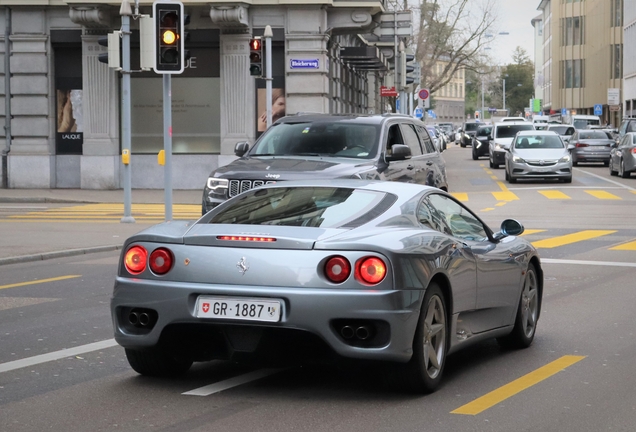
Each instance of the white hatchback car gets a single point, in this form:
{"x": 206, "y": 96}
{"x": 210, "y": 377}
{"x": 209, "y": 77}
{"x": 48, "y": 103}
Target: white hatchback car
{"x": 538, "y": 155}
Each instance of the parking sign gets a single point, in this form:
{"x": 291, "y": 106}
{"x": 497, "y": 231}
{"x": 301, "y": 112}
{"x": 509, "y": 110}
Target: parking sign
{"x": 598, "y": 109}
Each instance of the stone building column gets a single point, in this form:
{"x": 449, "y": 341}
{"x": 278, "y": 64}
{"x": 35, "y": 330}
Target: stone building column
{"x": 100, "y": 162}
{"x": 238, "y": 113}
{"x": 306, "y": 88}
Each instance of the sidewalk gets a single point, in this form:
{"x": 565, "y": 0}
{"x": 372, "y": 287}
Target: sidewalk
{"x": 25, "y": 241}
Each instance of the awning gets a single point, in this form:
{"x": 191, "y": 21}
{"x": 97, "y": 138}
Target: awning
{"x": 364, "y": 58}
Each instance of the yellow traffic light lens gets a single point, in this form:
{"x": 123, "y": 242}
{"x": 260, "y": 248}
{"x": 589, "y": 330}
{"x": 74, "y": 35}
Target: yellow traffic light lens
{"x": 168, "y": 37}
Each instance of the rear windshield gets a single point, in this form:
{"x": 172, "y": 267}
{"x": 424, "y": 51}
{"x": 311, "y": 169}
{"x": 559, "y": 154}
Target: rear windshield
{"x": 538, "y": 142}
{"x": 593, "y": 135}
{"x": 561, "y": 130}
{"x": 324, "y": 207}
{"x": 509, "y": 131}
{"x": 336, "y": 138}
{"x": 471, "y": 126}
{"x": 584, "y": 123}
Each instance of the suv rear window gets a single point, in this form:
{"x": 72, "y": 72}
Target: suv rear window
{"x": 325, "y": 207}
{"x": 338, "y": 139}
{"x": 509, "y": 131}
{"x": 471, "y": 126}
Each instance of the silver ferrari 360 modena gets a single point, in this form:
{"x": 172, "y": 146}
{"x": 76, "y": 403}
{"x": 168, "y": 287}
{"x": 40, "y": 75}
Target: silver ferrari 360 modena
{"x": 387, "y": 271}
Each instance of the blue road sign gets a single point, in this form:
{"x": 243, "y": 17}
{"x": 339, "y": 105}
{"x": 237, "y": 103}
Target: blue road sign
{"x": 304, "y": 64}
{"x": 397, "y": 105}
{"x": 419, "y": 113}
{"x": 598, "y": 109}
{"x": 564, "y": 112}
{"x": 432, "y": 114}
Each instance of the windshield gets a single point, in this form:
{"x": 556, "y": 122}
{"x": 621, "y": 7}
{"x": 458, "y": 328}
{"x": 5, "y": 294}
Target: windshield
{"x": 584, "y": 123}
{"x": 484, "y": 131}
{"x": 509, "y": 131}
{"x": 471, "y": 126}
{"x": 593, "y": 135}
{"x": 334, "y": 138}
{"x": 325, "y": 207}
{"x": 538, "y": 142}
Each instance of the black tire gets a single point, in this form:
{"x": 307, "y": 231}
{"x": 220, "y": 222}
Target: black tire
{"x": 527, "y": 315}
{"x": 575, "y": 164}
{"x": 567, "y": 179}
{"x": 423, "y": 373}
{"x": 495, "y": 165}
{"x": 475, "y": 157}
{"x": 511, "y": 179}
{"x": 492, "y": 165}
{"x": 606, "y": 163}
{"x": 507, "y": 176}
{"x": 621, "y": 170}
{"x": 611, "y": 169}
{"x": 153, "y": 362}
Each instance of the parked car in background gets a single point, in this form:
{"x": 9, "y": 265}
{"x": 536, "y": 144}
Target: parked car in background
{"x": 467, "y": 131}
{"x": 623, "y": 156}
{"x": 480, "y": 141}
{"x": 627, "y": 125}
{"x": 326, "y": 270}
{"x": 501, "y": 138}
{"x": 438, "y": 138}
{"x": 512, "y": 119}
{"x": 323, "y": 146}
{"x": 448, "y": 129}
{"x": 564, "y": 131}
{"x": 538, "y": 155}
{"x": 591, "y": 146}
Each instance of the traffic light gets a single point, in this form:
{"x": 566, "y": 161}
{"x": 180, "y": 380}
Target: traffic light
{"x": 113, "y": 56}
{"x": 256, "y": 57}
{"x": 409, "y": 68}
{"x": 169, "y": 37}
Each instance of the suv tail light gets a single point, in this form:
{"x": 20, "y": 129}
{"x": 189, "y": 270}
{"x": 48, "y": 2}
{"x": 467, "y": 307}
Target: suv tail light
{"x": 135, "y": 260}
{"x": 337, "y": 269}
{"x": 578, "y": 144}
{"x": 370, "y": 270}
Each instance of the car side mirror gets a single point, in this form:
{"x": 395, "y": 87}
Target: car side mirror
{"x": 509, "y": 227}
{"x": 490, "y": 137}
{"x": 399, "y": 152}
{"x": 241, "y": 148}
{"x": 571, "y": 146}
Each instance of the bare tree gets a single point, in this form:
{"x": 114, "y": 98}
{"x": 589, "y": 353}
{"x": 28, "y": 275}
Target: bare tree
{"x": 452, "y": 33}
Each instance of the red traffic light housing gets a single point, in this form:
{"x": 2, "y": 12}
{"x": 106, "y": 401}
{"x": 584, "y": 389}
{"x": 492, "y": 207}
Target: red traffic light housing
{"x": 256, "y": 57}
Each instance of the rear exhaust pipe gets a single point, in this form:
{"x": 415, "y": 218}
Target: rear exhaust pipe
{"x": 347, "y": 332}
{"x": 133, "y": 318}
{"x": 144, "y": 319}
{"x": 362, "y": 333}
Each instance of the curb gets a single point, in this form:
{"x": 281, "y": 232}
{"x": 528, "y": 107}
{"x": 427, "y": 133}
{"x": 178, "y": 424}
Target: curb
{"x": 42, "y": 200}
{"x": 57, "y": 254}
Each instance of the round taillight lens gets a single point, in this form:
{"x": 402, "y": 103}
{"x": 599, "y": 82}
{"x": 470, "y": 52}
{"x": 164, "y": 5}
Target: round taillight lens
{"x": 371, "y": 270}
{"x": 337, "y": 269}
{"x": 135, "y": 259}
{"x": 161, "y": 261}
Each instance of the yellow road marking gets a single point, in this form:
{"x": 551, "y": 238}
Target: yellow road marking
{"x": 461, "y": 196}
{"x": 532, "y": 231}
{"x": 603, "y": 195}
{"x": 488, "y": 172}
{"x": 505, "y": 194}
{"x": 625, "y": 246}
{"x": 570, "y": 238}
{"x": 488, "y": 209}
{"x": 499, "y": 204}
{"x": 502, "y": 393}
{"x": 553, "y": 194}
{"x": 39, "y": 281}
{"x": 493, "y": 177}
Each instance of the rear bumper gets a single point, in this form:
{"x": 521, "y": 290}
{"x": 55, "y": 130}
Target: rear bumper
{"x": 320, "y": 312}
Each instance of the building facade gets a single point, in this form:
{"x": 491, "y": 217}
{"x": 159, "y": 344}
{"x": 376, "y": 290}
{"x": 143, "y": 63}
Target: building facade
{"x": 629, "y": 59}
{"x": 537, "y": 23}
{"x": 62, "y": 107}
{"x": 450, "y": 99}
{"x": 583, "y": 52}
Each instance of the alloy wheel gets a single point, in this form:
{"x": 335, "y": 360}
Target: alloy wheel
{"x": 530, "y": 303}
{"x": 434, "y": 337}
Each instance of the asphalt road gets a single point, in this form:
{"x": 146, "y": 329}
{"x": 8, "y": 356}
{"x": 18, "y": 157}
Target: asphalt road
{"x": 61, "y": 371}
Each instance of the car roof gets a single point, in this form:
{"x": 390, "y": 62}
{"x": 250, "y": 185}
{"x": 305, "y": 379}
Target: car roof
{"x": 360, "y": 118}
{"x": 537, "y": 132}
{"x": 508, "y": 123}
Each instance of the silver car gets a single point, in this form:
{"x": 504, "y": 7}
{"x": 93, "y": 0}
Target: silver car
{"x": 623, "y": 156}
{"x": 538, "y": 155}
{"x": 359, "y": 269}
{"x": 589, "y": 145}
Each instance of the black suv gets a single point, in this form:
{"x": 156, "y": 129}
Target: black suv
{"x": 467, "y": 132}
{"x": 480, "y": 141}
{"x": 322, "y": 146}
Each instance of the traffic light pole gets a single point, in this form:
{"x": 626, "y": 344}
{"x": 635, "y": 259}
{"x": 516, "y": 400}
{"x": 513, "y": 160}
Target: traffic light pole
{"x": 268, "y": 34}
{"x": 167, "y": 143}
{"x": 126, "y": 12}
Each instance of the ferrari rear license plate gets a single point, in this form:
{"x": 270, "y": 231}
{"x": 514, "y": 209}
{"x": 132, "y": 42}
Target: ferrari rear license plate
{"x": 246, "y": 309}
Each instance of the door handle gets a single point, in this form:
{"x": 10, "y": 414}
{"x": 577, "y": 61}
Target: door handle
{"x": 429, "y": 163}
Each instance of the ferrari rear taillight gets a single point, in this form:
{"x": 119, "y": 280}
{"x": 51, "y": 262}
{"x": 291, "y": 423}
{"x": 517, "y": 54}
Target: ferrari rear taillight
{"x": 634, "y": 151}
{"x": 337, "y": 269}
{"x": 370, "y": 270}
{"x": 135, "y": 260}
{"x": 161, "y": 261}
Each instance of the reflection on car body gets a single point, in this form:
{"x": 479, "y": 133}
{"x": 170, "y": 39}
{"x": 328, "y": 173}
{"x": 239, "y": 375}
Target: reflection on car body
{"x": 326, "y": 270}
